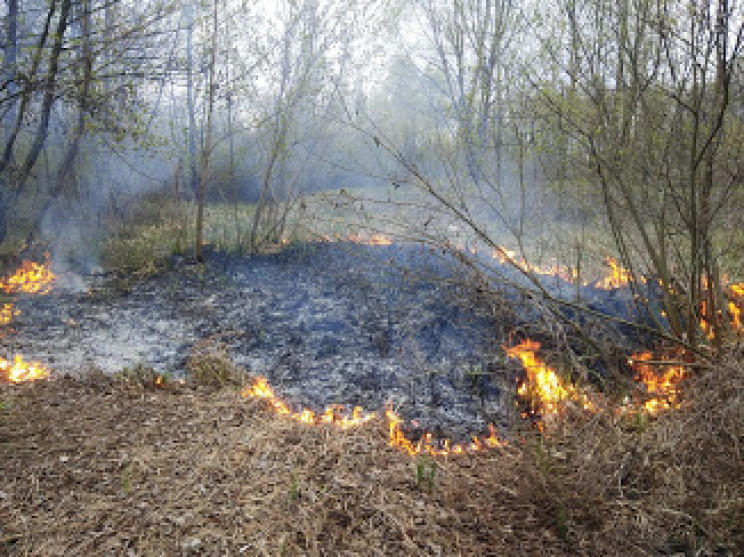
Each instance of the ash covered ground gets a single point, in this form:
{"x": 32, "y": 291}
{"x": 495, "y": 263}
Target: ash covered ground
{"x": 325, "y": 323}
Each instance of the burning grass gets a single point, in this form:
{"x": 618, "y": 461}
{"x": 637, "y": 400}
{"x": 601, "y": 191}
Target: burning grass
{"x": 102, "y": 466}
{"x": 30, "y": 277}
{"x": 642, "y": 483}
{"x": 19, "y": 371}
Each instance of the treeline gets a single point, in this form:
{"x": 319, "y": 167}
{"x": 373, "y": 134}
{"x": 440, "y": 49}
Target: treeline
{"x": 570, "y": 120}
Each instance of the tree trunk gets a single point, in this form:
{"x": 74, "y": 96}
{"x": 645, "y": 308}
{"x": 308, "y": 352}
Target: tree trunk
{"x": 66, "y": 167}
{"x": 204, "y": 174}
{"x": 190, "y": 96}
{"x": 49, "y": 98}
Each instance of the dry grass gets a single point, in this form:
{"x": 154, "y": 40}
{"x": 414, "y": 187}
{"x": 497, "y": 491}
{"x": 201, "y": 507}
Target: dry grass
{"x": 634, "y": 484}
{"x": 98, "y": 466}
{"x": 103, "y": 466}
{"x": 210, "y": 364}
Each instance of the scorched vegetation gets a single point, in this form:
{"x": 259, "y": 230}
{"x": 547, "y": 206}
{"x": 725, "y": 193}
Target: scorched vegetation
{"x": 340, "y": 277}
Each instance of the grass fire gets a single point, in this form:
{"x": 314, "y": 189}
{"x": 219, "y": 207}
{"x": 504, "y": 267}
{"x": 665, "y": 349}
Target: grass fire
{"x": 335, "y": 277}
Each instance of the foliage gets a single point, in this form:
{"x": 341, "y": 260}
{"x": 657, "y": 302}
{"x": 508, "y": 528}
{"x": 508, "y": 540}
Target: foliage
{"x": 426, "y": 470}
{"x": 139, "y": 374}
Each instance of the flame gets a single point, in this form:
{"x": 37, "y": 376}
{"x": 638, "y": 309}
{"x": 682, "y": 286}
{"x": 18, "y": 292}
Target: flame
{"x": 441, "y": 447}
{"x": 7, "y": 313}
{"x": 19, "y": 371}
{"x": 734, "y": 312}
{"x": 547, "y": 390}
{"x": 504, "y": 255}
{"x": 379, "y": 240}
{"x": 735, "y": 306}
{"x": 662, "y": 388}
{"x": 372, "y": 240}
{"x": 334, "y": 414}
{"x": 618, "y": 277}
{"x": 34, "y": 278}
{"x": 337, "y": 416}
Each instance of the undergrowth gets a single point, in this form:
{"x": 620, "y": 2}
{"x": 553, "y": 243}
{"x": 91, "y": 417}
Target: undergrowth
{"x": 630, "y": 483}
{"x": 210, "y": 364}
{"x": 143, "y": 239}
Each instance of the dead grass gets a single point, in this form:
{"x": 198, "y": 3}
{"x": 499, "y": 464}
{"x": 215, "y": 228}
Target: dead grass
{"x": 634, "y": 484}
{"x": 103, "y": 466}
{"x": 92, "y": 467}
{"x": 210, "y": 364}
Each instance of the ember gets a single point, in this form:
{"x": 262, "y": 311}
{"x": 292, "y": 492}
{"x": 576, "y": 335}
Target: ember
{"x": 33, "y": 278}
{"x": 7, "y": 313}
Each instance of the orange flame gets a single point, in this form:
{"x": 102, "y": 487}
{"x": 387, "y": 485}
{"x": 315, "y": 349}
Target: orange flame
{"x": 662, "y": 388}
{"x": 334, "y": 415}
{"x": 337, "y": 416}
{"x": 34, "y": 278}
{"x": 504, "y": 255}
{"x": 547, "y": 391}
{"x": 7, "y": 314}
{"x": 442, "y": 447}
{"x": 734, "y": 313}
{"x": 618, "y": 277}
{"x": 19, "y": 371}
{"x": 379, "y": 240}
{"x": 372, "y": 240}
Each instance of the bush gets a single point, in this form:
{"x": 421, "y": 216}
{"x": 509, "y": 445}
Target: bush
{"x": 668, "y": 483}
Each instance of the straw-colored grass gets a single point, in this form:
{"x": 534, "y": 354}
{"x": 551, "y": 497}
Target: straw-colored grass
{"x": 633, "y": 484}
{"x": 103, "y": 466}
{"x": 99, "y": 467}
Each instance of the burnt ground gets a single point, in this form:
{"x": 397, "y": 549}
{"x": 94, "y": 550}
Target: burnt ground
{"x": 326, "y": 323}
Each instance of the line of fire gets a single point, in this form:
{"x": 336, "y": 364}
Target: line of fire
{"x": 543, "y": 393}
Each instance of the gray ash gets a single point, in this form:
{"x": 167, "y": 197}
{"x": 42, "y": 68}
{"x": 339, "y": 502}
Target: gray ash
{"x": 325, "y": 323}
